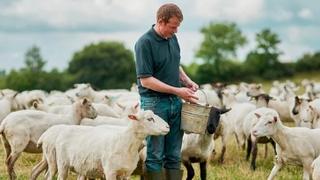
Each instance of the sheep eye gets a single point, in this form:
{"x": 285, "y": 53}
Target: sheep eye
{"x": 150, "y": 119}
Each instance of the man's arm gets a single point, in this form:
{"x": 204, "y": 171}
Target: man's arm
{"x": 156, "y": 85}
{"x": 186, "y": 81}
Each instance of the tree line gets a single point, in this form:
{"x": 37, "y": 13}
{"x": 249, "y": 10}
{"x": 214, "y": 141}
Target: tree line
{"x": 109, "y": 64}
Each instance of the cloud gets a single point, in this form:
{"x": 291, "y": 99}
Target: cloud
{"x": 240, "y": 11}
{"x": 305, "y": 13}
{"x": 281, "y": 15}
{"x": 70, "y": 13}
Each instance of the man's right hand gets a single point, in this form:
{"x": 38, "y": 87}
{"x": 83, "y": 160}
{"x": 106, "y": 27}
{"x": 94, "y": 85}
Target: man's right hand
{"x": 187, "y": 94}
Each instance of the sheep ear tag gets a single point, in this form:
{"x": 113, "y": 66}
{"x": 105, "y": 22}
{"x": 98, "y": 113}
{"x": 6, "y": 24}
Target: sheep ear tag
{"x": 133, "y": 117}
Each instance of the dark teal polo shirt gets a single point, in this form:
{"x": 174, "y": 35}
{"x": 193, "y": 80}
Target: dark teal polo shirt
{"x": 157, "y": 57}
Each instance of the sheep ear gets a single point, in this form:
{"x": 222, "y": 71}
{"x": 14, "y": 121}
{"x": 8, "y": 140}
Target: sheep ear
{"x": 122, "y": 107}
{"x": 259, "y": 86}
{"x": 136, "y": 106}
{"x": 133, "y": 117}
{"x": 257, "y": 115}
{"x": 311, "y": 107}
{"x": 35, "y": 104}
{"x": 85, "y": 101}
{"x": 275, "y": 119}
{"x": 224, "y": 110}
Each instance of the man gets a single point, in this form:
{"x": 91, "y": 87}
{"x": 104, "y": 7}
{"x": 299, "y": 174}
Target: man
{"x": 159, "y": 82}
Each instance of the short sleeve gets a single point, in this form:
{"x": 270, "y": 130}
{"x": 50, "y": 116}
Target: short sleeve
{"x": 144, "y": 62}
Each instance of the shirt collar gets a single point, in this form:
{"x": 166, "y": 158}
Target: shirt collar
{"x": 156, "y": 35}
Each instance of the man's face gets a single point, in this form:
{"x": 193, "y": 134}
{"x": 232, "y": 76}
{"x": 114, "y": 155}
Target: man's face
{"x": 168, "y": 29}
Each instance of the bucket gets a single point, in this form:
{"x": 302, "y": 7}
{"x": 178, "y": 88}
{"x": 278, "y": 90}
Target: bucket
{"x": 194, "y": 117}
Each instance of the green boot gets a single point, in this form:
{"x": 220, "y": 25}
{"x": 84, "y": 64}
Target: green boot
{"x": 153, "y": 176}
{"x": 173, "y": 174}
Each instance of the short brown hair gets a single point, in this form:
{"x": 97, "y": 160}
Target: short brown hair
{"x": 167, "y": 11}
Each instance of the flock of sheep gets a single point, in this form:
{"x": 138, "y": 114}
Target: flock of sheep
{"x": 100, "y": 134}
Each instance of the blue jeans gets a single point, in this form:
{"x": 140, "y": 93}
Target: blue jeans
{"x": 164, "y": 151}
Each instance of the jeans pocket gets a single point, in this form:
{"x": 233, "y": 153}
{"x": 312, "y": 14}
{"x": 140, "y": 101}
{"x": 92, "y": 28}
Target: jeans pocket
{"x": 149, "y": 103}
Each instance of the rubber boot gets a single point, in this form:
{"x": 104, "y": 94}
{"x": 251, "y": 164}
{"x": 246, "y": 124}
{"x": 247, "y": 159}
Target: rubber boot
{"x": 153, "y": 176}
{"x": 173, "y": 174}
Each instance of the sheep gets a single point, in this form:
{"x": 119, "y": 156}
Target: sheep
{"x": 99, "y": 120}
{"x": 249, "y": 121}
{"x": 198, "y": 147}
{"x": 103, "y": 120}
{"x": 209, "y": 97}
{"x": 296, "y": 145}
{"x": 114, "y": 154}
{"x": 6, "y": 107}
{"x": 231, "y": 122}
{"x": 283, "y": 107}
{"x": 308, "y": 112}
{"x": 102, "y": 109}
{"x": 21, "y": 130}
{"x": 316, "y": 169}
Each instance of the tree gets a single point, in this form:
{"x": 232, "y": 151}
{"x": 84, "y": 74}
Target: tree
{"x": 104, "y": 65}
{"x": 308, "y": 62}
{"x": 221, "y": 41}
{"x": 33, "y": 60}
{"x": 264, "y": 59}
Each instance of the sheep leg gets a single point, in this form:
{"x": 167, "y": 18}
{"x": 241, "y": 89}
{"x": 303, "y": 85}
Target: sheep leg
{"x": 224, "y": 138}
{"x": 203, "y": 170}
{"x": 274, "y": 146}
{"x": 7, "y": 147}
{"x": 62, "y": 172}
{"x": 42, "y": 165}
{"x": 10, "y": 164}
{"x": 306, "y": 174}
{"x": 80, "y": 177}
{"x": 307, "y": 169}
{"x": 254, "y": 155}
{"x": 249, "y": 147}
{"x": 111, "y": 175}
{"x": 277, "y": 166}
{"x": 190, "y": 171}
{"x": 52, "y": 164}
{"x": 266, "y": 151}
{"x": 223, "y": 151}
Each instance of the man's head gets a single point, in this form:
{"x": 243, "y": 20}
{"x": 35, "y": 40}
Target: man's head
{"x": 169, "y": 17}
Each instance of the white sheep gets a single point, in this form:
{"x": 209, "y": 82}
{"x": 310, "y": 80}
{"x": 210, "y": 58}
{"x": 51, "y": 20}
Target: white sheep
{"x": 316, "y": 169}
{"x": 310, "y": 113}
{"x": 21, "y": 130}
{"x": 249, "y": 122}
{"x": 231, "y": 122}
{"x": 297, "y": 145}
{"x": 99, "y": 151}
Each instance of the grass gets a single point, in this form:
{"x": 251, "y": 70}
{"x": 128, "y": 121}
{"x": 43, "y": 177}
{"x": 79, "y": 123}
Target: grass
{"x": 234, "y": 168}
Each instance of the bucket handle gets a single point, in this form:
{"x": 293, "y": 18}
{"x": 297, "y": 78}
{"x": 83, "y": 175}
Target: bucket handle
{"x": 205, "y": 95}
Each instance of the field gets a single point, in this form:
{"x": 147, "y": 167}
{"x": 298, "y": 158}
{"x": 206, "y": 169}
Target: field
{"x": 235, "y": 166}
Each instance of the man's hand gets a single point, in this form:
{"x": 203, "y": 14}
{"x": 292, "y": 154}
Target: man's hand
{"x": 187, "y": 94}
{"x": 193, "y": 86}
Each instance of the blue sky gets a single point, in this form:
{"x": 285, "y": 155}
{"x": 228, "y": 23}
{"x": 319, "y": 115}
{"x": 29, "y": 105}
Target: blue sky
{"x": 62, "y": 27}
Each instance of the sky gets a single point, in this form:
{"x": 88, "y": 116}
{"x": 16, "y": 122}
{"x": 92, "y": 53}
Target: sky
{"x": 62, "y": 27}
